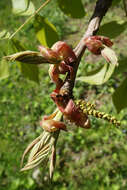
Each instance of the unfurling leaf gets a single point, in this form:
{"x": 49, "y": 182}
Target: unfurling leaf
{"x": 96, "y": 78}
{"x": 31, "y": 57}
{"x": 29, "y": 71}
{"x": 49, "y": 54}
{"x": 40, "y": 149}
{"x": 109, "y": 55}
{"x": 30, "y": 146}
{"x": 96, "y": 43}
{"x": 52, "y": 161}
{"x": 105, "y": 72}
{"x": 99, "y": 77}
{"x": 49, "y": 123}
{"x": 45, "y": 31}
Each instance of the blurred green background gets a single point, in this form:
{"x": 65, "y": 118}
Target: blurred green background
{"x": 93, "y": 159}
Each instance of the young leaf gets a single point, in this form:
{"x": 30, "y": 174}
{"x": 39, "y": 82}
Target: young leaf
{"x": 29, "y": 11}
{"x": 109, "y": 55}
{"x": 119, "y": 96}
{"x": 4, "y": 65}
{"x": 72, "y": 8}
{"x": 112, "y": 29}
{"x": 22, "y": 7}
{"x": 4, "y": 69}
{"x": 29, "y": 71}
{"x": 45, "y": 31}
{"x": 99, "y": 77}
{"x": 31, "y": 57}
{"x": 4, "y": 34}
{"x": 109, "y": 72}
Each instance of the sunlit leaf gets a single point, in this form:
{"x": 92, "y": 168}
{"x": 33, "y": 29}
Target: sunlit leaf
{"x": 19, "y": 6}
{"x": 99, "y": 76}
{"x": 109, "y": 55}
{"x": 119, "y": 96}
{"x": 112, "y": 29}
{"x": 4, "y": 69}
{"x": 4, "y": 34}
{"x": 23, "y": 7}
{"x": 72, "y": 8}
{"x": 30, "y": 10}
{"x": 45, "y": 31}
{"x": 96, "y": 78}
{"x": 4, "y": 64}
{"x": 109, "y": 72}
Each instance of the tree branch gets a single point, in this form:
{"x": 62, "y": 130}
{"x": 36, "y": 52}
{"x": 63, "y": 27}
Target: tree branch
{"x": 100, "y": 10}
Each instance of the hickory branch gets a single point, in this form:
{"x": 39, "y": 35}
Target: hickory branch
{"x": 100, "y": 10}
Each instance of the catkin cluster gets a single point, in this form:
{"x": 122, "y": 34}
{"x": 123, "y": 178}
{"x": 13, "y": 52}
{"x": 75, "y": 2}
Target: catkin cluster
{"x": 90, "y": 109}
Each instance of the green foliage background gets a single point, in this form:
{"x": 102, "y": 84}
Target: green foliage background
{"x": 86, "y": 159}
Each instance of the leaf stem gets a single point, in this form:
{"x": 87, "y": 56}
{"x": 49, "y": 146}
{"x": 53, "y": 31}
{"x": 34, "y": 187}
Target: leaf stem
{"x": 36, "y": 12}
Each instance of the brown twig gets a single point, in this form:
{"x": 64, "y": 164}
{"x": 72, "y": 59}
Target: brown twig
{"x": 100, "y": 10}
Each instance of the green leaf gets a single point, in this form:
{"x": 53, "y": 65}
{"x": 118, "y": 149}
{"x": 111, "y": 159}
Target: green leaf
{"x": 119, "y": 96}
{"x": 45, "y": 31}
{"x": 112, "y": 29}
{"x": 14, "y": 46}
{"x": 72, "y": 8}
{"x": 4, "y": 69}
{"x": 99, "y": 76}
{"x": 23, "y": 7}
{"x": 4, "y": 34}
{"x": 30, "y": 10}
{"x": 19, "y": 6}
{"x": 109, "y": 72}
{"x": 30, "y": 71}
{"x": 122, "y": 67}
{"x": 115, "y": 2}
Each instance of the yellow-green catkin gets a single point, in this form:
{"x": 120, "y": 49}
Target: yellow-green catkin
{"x": 89, "y": 109}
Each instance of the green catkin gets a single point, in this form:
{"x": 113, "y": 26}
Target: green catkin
{"x": 89, "y": 109}
{"x": 83, "y": 104}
